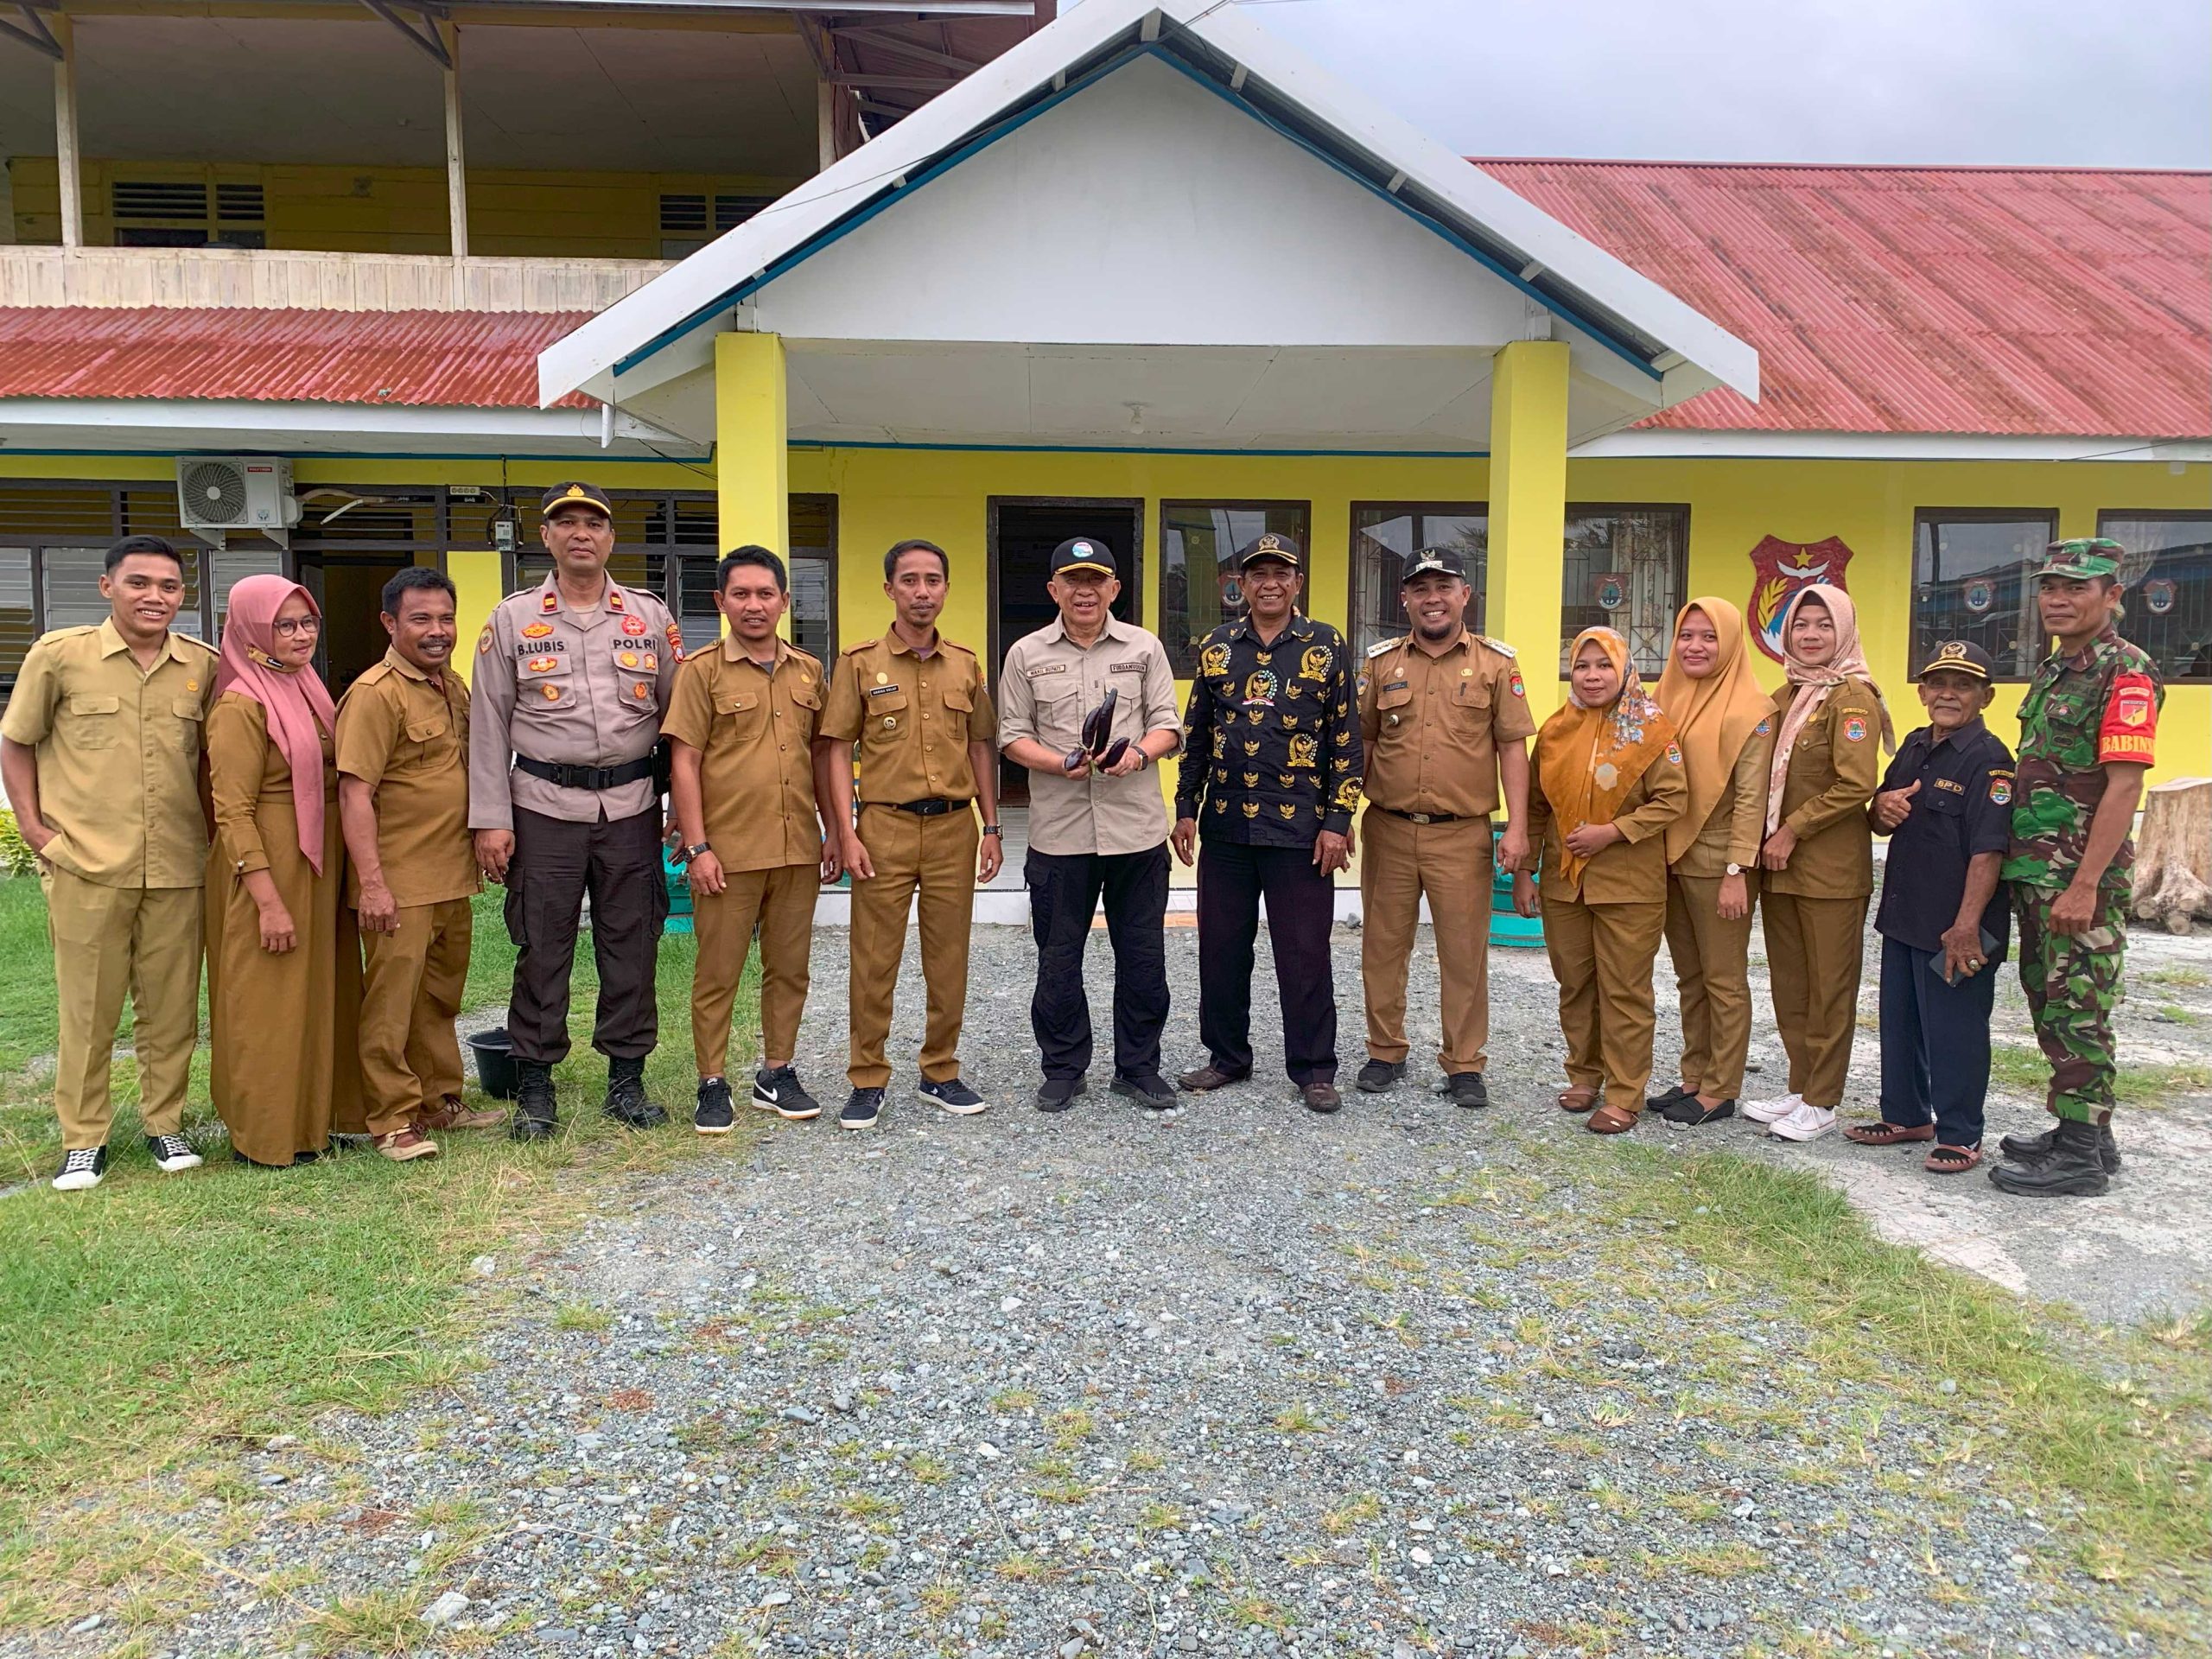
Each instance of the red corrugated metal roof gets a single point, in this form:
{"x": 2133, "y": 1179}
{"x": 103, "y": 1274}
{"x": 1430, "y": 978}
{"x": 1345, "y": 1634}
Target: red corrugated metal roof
{"x": 476, "y": 360}
{"x": 2060, "y": 301}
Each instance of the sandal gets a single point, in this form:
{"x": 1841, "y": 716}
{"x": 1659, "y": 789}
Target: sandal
{"x": 1947, "y": 1160}
{"x": 1610, "y": 1120}
{"x": 1577, "y": 1100}
{"x": 1888, "y": 1135}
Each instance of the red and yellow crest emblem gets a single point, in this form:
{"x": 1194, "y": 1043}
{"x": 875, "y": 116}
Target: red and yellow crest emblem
{"x": 1779, "y": 569}
{"x": 536, "y": 630}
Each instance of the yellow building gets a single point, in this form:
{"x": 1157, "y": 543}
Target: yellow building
{"x": 1144, "y": 276}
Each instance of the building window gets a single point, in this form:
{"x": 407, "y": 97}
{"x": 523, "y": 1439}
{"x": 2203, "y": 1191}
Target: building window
{"x": 1199, "y": 587}
{"x": 53, "y": 542}
{"x": 1384, "y": 536}
{"x": 2169, "y": 578}
{"x": 1626, "y": 569}
{"x": 814, "y": 574}
{"x": 193, "y": 212}
{"x": 1970, "y": 581}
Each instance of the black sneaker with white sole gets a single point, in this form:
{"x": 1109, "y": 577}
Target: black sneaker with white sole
{"x": 954, "y": 1096}
{"x": 173, "y": 1153}
{"x": 81, "y": 1168}
{"x": 713, "y": 1115}
{"x": 862, "y": 1108}
{"x": 780, "y": 1091}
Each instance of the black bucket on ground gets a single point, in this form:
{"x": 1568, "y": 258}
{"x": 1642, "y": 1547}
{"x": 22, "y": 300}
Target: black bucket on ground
{"x": 495, "y": 1061}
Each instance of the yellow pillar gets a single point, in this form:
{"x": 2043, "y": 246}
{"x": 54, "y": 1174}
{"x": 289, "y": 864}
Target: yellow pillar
{"x": 1528, "y": 510}
{"x": 752, "y": 442}
{"x": 476, "y": 579}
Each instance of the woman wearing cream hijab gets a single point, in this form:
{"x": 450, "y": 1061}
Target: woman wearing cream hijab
{"x": 1818, "y": 861}
{"x": 1724, "y": 724}
{"x": 1606, "y": 782}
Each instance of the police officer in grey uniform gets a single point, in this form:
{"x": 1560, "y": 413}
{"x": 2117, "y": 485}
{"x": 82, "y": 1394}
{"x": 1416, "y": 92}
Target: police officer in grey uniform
{"x": 571, "y": 680}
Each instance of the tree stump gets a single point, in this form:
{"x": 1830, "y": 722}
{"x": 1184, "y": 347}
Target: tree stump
{"x": 2173, "y": 854}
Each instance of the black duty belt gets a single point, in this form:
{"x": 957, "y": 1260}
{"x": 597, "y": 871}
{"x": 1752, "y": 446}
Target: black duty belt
{"x": 935, "y": 807}
{"x": 1427, "y": 817}
{"x": 592, "y": 777}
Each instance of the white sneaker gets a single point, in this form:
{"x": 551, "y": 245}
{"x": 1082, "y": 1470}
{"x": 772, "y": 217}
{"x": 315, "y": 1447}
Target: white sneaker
{"x": 81, "y": 1169}
{"x": 1772, "y": 1111}
{"x": 1805, "y": 1123}
{"x": 173, "y": 1153}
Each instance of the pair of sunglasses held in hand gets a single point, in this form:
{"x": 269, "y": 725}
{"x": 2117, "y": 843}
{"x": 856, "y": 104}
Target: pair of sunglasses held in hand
{"x": 1099, "y": 745}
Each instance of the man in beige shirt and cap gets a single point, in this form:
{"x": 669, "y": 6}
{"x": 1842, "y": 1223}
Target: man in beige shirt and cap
{"x": 1088, "y": 705}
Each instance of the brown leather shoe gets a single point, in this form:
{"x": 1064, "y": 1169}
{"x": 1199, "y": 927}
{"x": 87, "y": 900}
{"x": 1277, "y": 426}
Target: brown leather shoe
{"x": 1208, "y": 1076}
{"x": 403, "y": 1145}
{"x": 1320, "y": 1096}
{"x": 450, "y": 1114}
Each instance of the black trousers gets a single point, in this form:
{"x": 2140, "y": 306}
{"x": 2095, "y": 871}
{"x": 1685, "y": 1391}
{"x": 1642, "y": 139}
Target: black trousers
{"x": 1935, "y": 1044}
{"x": 1064, "y": 890}
{"x": 556, "y": 863}
{"x": 1301, "y": 907}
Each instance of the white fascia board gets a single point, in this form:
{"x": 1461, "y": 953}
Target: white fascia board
{"x": 1451, "y": 178}
{"x": 1682, "y": 445}
{"x": 585, "y": 360}
{"x": 204, "y": 423}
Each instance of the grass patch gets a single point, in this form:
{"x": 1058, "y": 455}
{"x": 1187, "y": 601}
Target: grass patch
{"x": 2025, "y": 1071}
{"x": 2178, "y": 975}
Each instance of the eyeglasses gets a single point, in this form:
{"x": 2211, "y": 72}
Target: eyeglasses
{"x": 292, "y": 627}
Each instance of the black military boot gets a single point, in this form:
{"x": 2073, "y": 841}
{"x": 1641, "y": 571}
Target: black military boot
{"x": 534, "y": 1103}
{"x": 626, "y": 1101}
{"x": 2073, "y": 1168}
{"x": 2034, "y": 1148}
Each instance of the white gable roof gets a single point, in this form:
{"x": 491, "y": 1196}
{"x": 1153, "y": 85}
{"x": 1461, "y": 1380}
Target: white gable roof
{"x": 1678, "y": 351}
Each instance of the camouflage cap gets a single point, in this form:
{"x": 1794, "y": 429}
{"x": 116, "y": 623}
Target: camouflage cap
{"x": 2082, "y": 558}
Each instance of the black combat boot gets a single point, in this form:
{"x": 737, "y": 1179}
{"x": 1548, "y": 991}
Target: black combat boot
{"x": 534, "y": 1103}
{"x": 2034, "y": 1148}
{"x": 626, "y": 1101}
{"x": 2072, "y": 1169}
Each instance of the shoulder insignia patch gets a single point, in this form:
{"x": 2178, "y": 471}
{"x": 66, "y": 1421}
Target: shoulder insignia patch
{"x": 674, "y": 637}
{"x": 195, "y": 639}
{"x": 549, "y": 603}
{"x": 484, "y": 640}
{"x": 2000, "y": 788}
{"x": 1764, "y": 727}
{"x": 1519, "y": 690}
{"x": 615, "y": 598}
{"x": 1674, "y": 755}
{"x": 1854, "y": 729}
{"x": 856, "y": 649}
{"x": 1497, "y": 646}
{"x": 1373, "y": 652}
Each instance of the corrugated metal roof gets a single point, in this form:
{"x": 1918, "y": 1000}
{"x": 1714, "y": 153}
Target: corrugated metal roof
{"x": 474, "y": 360}
{"x": 2011, "y": 300}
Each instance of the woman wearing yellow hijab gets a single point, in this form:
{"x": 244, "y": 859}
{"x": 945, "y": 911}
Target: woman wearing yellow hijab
{"x": 1608, "y": 780}
{"x": 1724, "y": 724}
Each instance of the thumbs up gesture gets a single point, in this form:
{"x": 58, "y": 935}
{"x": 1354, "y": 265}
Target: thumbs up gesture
{"x": 1893, "y": 806}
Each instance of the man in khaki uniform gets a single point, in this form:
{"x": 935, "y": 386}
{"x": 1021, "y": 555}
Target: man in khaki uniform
{"x": 749, "y": 770}
{"x": 1443, "y": 715}
{"x": 403, "y": 798}
{"x": 100, "y": 748}
{"x": 572, "y": 678}
{"x": 911, "y": 708}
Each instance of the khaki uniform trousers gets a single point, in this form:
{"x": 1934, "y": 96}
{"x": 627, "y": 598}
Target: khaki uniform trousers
{"x": 1602, "y": 956}
{"x": 1399, "y": 862}
{"x": 411, "y": 983}
{"x": 1713, "y": 979}
{"x": 147, "y": 941}
{"x": 937, "y": 856}
{"x": 780, "y": 904}
{"x": 1813, "y": 954}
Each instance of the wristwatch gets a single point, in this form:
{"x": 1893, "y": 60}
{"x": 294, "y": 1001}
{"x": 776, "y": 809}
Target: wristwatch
{"x": 690, "y": 853}
{"x": 1735, "y": 869}
{"x": 994, "y": 830}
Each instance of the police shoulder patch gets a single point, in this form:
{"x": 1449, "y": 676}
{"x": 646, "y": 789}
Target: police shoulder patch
{"x": 484, "y": 640}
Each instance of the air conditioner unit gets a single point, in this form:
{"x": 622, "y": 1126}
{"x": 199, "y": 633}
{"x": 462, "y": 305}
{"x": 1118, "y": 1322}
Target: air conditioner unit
{"x": 216, "y": 494}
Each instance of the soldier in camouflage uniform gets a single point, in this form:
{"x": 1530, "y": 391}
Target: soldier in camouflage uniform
{"x": 2086, "y": 731}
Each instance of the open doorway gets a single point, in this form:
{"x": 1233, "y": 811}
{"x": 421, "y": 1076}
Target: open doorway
{"x": 1024, "y": 530}
{"x": 349, "y": 586}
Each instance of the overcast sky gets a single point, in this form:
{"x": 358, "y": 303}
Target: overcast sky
{"x": 2076, "y": 82}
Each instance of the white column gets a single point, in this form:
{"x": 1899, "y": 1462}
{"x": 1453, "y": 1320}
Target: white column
{"x": 456, "y": 170}
{"x": 65, "y": 132}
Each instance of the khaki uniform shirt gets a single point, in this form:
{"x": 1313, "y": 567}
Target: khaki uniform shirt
{"x": 1050, "y": 686}
{"x": 119, "y": 755}
{"x": 580, "y": 688}
{"x": 1432, "y": 725}
{"x": 910, "y": 718}
{"x": 408, "y": 740}
{"x": 1629, "y": 872}
{"x": 755, "y": 730}
{"x": 1834, "y": 766}
{"x": 1733, "y": 833}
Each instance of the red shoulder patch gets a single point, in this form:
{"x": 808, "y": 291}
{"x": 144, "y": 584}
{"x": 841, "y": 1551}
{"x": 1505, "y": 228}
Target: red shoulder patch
{"x": 2130, "y": 728}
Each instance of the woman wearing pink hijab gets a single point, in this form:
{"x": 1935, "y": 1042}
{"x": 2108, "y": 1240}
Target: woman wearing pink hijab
{"x": 284, "y": 960}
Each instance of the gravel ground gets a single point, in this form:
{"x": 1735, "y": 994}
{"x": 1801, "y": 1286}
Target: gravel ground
{"x": 1231, "y": 1380}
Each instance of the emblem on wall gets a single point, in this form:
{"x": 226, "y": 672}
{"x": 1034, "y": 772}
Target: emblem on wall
{"x": 1779, "y": 569}
{"x": 1611, "y": 590}
{"x": 2158, "y": 595}
{"x": 1979, "y": 595}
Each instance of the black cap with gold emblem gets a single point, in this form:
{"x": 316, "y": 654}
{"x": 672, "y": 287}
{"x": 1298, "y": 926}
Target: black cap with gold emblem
{"x": 1084, "y": 556}
{"x": 1435, "y": 562}
{"x": 1959, "y": 657}
{"x": 574, "y": 495}
{"x": 1282, "y": 549}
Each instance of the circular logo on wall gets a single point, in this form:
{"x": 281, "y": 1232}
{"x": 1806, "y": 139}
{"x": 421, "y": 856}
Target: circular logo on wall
{"x": 2158, "y": 596}
{"x": 1979, "y": 595}
{"x": 1612, "y": 591}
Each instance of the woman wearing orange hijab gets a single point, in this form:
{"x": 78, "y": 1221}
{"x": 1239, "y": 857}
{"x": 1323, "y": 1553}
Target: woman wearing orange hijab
{"x": 284, "y": 960}
{"x": 1818, "y": 861}
{"x": 1607, "y": 781}
{"x": 1724, "y": 724}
